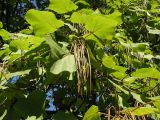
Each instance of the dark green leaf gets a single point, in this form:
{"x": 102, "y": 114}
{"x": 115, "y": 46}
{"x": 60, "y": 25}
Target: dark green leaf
{"x": 64, "y": 116}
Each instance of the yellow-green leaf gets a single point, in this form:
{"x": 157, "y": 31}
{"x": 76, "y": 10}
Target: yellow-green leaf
{"x": 43, "y": 22}
{"x": 62, "y": 6}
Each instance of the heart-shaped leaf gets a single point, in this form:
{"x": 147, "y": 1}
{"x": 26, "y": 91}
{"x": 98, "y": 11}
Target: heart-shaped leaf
{"x": 43, "y": 22}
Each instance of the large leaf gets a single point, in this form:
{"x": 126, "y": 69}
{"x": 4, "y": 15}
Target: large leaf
{"x": 43, "y": 22}
{"x": 139, "y": 111}
{"x": 146, "y": 73}
{"x": 67, "y": 63}
{"x": 62, "y": 6}
{"x": 64, "y": 116}
{"x": 92, "y": 114}
{"x": 101, "y": 26}
{"x": 81, "y": 16}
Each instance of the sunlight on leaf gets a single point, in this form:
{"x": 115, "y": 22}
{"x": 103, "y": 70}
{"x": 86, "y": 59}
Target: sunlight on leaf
{"x": 67, "y": 63}
{"x": 139, "y": 111}
{"x": 47, "y": 25}
{"x": 62, "y": 6}
{"x": 35, "y": 118}
{"x": 137, "y": 97}
{"x": 4, "y": 34}
{"x": 1, "y": 24}
{"x": 146, "y": 73}
{"x": 92, "y": 113}
{"x": 4, "y": 114}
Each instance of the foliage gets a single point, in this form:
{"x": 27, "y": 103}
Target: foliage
{"x": 95, "y": 56}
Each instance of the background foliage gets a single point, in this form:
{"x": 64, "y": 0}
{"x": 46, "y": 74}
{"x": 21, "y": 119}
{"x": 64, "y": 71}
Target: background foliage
{"x": 79, "y": 59}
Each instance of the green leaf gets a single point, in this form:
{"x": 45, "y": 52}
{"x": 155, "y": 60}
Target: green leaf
{"x": 157, "y": 104}
{"x": 119, "y": 75}
{"x": 1, "y": 24}
{"x": 154, "y": 98}
{"x": 4, "y": 34}
{"x": 137, "y": 97}
{"x": 67, "y": 64}
{"x": 62, "y": 6}
{"x": 149, "y": 57}
{"x": 115, "y": 16}
{"x": 156, "y": 101}
{"x": 94, "y": 62}
{"x": 120, "y": 101}
{"x": 139, "y": 111}
{"x": 56, "y": 51}
{"x": 136, "y": 47}
{"x": 64, "y": 116}
{"x": 5, "y": 53}
{"x": 35, "y": 118}
{"x": 34, "y": 41}
{"x": 16, "y": 45}
{"x": 92, "y": 113}
{"x": 13, "y": 57}
{"x": 158, "y": 116}
{"x": 81, "y": 16}
{"x": 18, "y": 73}
{"x": 33, "y": 105}
{"x": 108, "y": 61}
{"x": 101, "y": 26}
{"x": 129, "y": 80}
{"x": 119, "y": 87}
{"x": 146, "y": 73}
{"x": 83, "y": 3}
{"x": 43, "y": 22}
{"x": 25, "y": 43}
{"x": 153, "y": 30}
{"x": 97, "y": 24}
{"x": 4, "y": 114}
{"x": 139, "y": 47}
